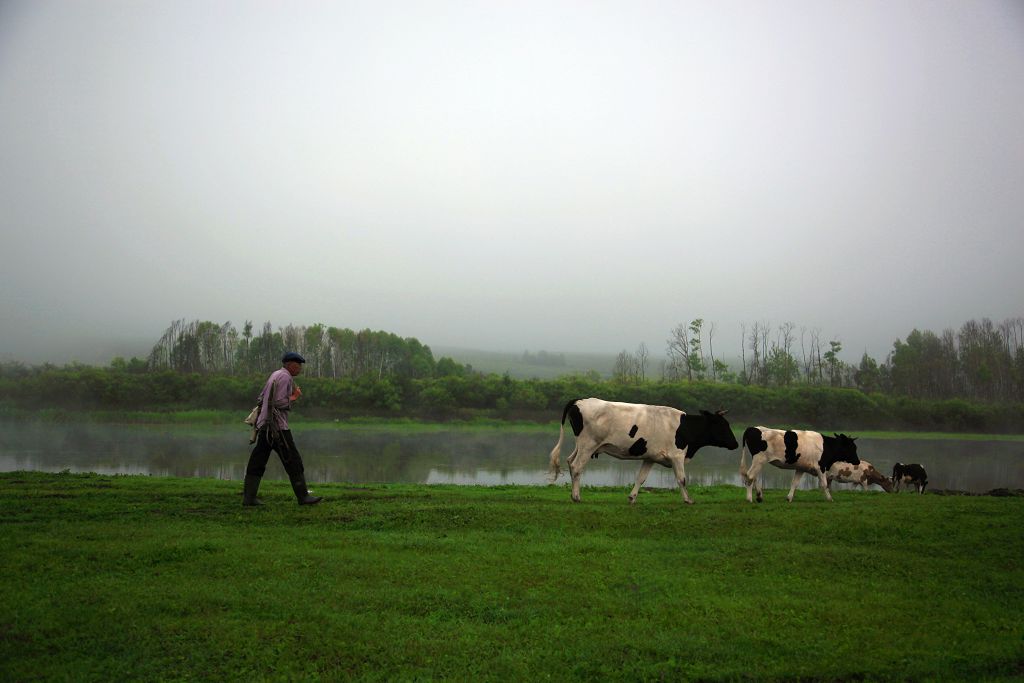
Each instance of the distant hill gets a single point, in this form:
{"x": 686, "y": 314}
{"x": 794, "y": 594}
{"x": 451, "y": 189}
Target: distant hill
{"x": 527, "y": 365}
{"x": 85, "y": 349}
{"x": 534, "y": 364}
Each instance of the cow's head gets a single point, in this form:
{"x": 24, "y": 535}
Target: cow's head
{"x": 719, "y": 431}
{"x": 873, "y": 476}
{"x": 837, "y": 448}
{"x": 847, "y": 449}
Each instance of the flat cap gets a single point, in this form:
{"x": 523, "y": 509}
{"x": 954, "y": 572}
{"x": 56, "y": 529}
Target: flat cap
{"x": 292, "y": 356}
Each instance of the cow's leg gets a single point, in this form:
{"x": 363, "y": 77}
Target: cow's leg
{"x": 679, "y": 467}
{"x": 749, "y": 478}
{"x": 823, "y": 479}
{"x": 577, "y": 462}
{"x": 752, "y": 478}
{"x": 572, "y": 459}
{"x": 641, "y": 477}
{"x": 572, "y": 456}
{"x": 797, "y": 476}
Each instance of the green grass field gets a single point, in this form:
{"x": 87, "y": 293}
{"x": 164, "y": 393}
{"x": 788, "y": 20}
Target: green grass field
{"x": 137, "y": 578}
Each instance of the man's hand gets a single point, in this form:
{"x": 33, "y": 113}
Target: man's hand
{"x": 295, "y": 394}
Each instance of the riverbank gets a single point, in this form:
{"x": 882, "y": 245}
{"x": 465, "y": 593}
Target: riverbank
{"x": 153, "y": 578}
{"x": 474, "y": 396}
{"x": 198, "y": 418}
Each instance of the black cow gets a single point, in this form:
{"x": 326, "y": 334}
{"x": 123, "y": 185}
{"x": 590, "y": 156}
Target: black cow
{"x": 803, "y": 451}
{"x": 631, "y": 431}
{"x": 909, "y": 474}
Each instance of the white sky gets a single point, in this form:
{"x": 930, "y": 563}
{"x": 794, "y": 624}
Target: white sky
{"x": 569, "y": 176}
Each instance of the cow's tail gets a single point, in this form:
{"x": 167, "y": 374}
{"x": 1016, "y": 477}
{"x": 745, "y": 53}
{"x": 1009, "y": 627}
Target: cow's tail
{"x": 555, "y": 468}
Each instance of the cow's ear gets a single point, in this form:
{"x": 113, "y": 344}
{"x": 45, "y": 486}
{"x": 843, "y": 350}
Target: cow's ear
{"x": 705, "y": 413}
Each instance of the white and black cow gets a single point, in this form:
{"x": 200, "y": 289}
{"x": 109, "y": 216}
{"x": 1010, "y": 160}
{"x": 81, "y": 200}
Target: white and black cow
{"x": 863, "y": 475}
{"x": 631, "y": 431}
{"x": 912, "y": 474}
{"x": 803, "y": 451}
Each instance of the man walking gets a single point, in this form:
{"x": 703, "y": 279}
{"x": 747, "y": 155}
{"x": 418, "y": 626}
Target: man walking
{"x": 276, "y": 399}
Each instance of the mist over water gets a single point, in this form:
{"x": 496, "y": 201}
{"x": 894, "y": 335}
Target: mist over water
{"x": 456, "y": 456}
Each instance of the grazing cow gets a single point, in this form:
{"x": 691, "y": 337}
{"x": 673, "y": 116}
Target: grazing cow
{"x": 803, "y": 451}
{"x": 864, "y": 475}
{"x": 630, "y": 431}
{"x": 909, "y": 474}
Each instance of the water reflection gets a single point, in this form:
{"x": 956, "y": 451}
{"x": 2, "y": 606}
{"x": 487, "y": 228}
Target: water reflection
{"x": 456, "y": 456}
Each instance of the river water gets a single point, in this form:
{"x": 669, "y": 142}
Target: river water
{"x": 489, "y": 457}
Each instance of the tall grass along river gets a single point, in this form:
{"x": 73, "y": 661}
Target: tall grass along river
{"x": 168, "y": 578}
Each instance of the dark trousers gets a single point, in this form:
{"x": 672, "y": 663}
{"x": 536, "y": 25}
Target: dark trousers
{"x": 285, "y": 449}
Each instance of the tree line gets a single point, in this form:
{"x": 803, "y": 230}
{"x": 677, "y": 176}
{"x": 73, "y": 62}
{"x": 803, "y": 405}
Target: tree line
{"x": 330, "y": 352}
{"x": 965, "y": 380}
{"x": 123, "y": 389}
{"x": 981, "y": 361}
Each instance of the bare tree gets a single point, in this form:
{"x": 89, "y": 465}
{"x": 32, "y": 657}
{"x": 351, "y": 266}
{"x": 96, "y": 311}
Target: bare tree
{"x": 243, "y": 352}
{"x": 813, "y": 367}
{"x": 642, "y": 355}
{"x": 743, "y": 353}
{"x": 758, "y": 341}
{"x": 229, "y": 342}
{"x": 625, "y": 369}
{"x": 765, "y": 331}
{"x": 696, "y": 366}
{"x": 785, "y": 337}
{"x": 711, "y": 351}
{"x": 294, "y": 338}
{"x": 678, "y": 352}
{"x": 805, "y": 363}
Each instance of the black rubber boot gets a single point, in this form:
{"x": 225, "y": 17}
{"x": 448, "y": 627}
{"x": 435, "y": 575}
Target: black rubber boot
{"x": 251, "y": 488}
{"x": 302, "y": 491}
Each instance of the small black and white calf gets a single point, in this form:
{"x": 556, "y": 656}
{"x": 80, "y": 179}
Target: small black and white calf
{"x": 909, "y": 475}
{"x": 864, "y": 475}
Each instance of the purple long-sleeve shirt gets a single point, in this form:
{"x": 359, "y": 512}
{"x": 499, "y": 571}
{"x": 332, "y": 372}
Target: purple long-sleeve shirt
{"x": 283, "y": 389}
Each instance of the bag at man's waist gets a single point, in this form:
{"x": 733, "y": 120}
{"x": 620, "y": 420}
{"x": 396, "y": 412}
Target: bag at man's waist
{"x": 251, "y": 421}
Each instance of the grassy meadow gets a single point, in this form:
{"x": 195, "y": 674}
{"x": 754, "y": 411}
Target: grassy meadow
{"x": 140, "y": 578}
